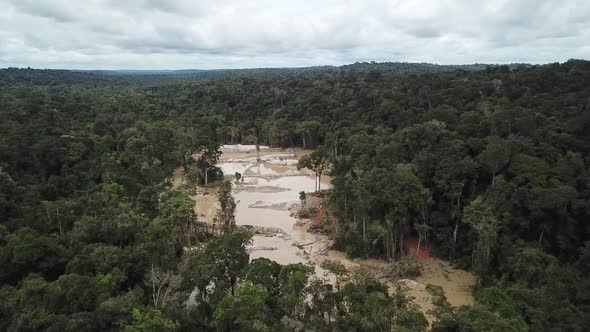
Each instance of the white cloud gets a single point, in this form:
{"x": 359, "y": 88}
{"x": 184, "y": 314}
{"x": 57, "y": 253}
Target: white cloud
{"x": 159, "y": 34}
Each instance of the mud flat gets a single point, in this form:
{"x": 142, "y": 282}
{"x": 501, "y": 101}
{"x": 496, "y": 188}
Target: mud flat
{"x": 457, "y": 284}
{"x": 265, "y": 200}
{"x": 270, "y": 187}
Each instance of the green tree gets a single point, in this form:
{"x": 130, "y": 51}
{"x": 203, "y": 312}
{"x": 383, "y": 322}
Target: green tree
{"x": 317, "y": 162}
{"x": 265, "y": 272}
{"x": 150, "y": 320}
{"x": 303, "y": 199}
{"x": 227, "y": 207}
{"x": 496, "y": 156}
{"x": 480, "y": 215}
{"x": 209, "y": 155}
{"x": 246, "y": 310}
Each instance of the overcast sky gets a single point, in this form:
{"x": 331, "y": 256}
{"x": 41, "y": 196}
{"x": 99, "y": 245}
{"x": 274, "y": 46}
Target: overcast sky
{"x": 172, "y": 34}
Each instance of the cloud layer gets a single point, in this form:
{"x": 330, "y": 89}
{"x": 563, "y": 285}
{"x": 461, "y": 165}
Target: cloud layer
{"x": 171, "y": 34}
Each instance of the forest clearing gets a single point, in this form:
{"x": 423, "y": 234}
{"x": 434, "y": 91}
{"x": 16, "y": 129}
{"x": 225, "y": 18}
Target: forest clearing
{"x": 273, "y": 170}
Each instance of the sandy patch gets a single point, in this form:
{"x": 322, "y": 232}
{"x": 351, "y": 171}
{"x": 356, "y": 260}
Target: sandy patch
{"x": 283, "y": 206}
{"x": 270, "y": 187}
{"x": 457, "y": 285}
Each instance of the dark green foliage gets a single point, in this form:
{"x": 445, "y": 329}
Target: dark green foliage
{"x": 26, "y": 251}
{"x": 246, "y": 310}
{"x": 486, "y": 165}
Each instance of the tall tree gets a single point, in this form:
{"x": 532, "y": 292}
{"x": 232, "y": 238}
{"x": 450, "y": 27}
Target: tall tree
{"x": 227, "y": 206}
{"x": 318, "y": 162}
{"x": 209, "y": 155}
{"x": 480, "y": 215}
{"x": 495, "y": 156}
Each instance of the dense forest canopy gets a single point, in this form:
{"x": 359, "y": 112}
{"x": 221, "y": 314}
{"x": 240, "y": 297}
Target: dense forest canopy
{"x": 486, "y": 164}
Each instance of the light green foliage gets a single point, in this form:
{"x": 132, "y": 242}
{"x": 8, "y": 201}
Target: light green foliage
{"x": 532, "y": 267}
{"x": 244, "y": 310}
{"x": 178, "y": 209}
{"x": 480, "y": 215}
{"x": 499, "y": 316}
{"x": 294, "y": 278}
{"x": 528, "y": 169}
{"x": 335, "y": 268}
{"x": 150, "y": 321}
{"x": 370, "y": 308}
{"x": 410, "y": 267}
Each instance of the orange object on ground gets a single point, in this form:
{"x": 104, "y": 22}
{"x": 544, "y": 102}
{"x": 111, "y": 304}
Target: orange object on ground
{"x": 323, "y": 215}
{"x": 411, "y": 246}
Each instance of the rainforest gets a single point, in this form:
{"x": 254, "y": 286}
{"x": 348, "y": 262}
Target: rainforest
{"x": 364, "y": 197}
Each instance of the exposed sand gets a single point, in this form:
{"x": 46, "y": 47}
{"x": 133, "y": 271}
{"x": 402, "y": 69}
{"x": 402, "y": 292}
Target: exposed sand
{"x": 457, "y": 285}
{"x": 270, "y": 187}
{"x": 178, "y": 178}
{"x": 206, "y": 206}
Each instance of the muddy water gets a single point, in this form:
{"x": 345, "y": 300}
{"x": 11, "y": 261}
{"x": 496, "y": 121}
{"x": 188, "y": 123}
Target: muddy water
{"x": 270, "y": 188}
{"x": 271, "y": 185}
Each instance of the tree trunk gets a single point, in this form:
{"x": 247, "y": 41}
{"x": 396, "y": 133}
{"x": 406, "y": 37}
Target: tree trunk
{"x": 393, "y": 244}
{"x": 154, "y": 299}
{"x": 184, "y": 163}
{"x": 493, "y": 178}
{"x": 387, "y": 247}
{"x": 315, "y": 184}
{"x": 61, "y": 230}
{"x": 364, "y": 233}
{"x": 365, "y": 228}
{"x": 335, "y": 150}
{"x": 345, "y": 207}
{"x": 456, "y": 230}
{"x": 419, "y": 242}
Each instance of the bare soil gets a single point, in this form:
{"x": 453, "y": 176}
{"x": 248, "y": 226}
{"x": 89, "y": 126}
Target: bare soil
{"x": 268, "y": 201}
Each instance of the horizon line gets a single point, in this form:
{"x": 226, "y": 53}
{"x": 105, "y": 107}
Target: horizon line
{"x": 300, "y": 67}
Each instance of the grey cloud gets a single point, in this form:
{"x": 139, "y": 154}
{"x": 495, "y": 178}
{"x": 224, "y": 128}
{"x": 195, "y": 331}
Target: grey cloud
{"x": 234, "y": 33}
{"x": 57, "y": 12}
